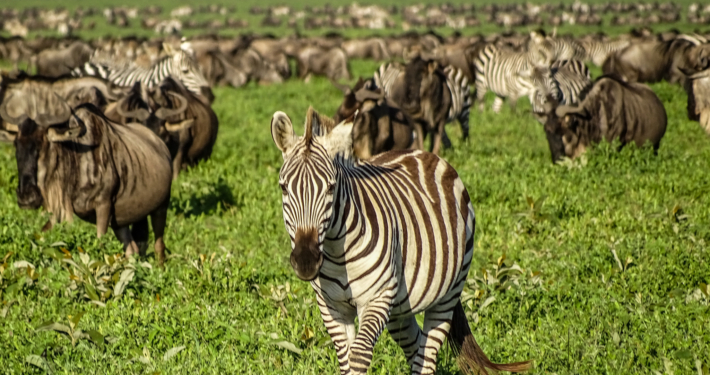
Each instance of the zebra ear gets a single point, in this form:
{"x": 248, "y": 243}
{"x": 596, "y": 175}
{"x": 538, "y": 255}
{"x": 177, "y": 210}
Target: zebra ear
{"x": 168, "y": 49}
{"x": 282, "y": 131}
{"x": 317, "y": 125}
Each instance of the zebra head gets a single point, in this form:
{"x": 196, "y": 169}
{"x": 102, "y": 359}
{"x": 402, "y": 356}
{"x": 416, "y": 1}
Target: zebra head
{"x": 541, "y": 84}
{"x": 186, "y": 69}
{"x": 308, "y": 180}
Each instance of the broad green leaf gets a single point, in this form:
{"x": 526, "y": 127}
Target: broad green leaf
{"x": 53, "y": 326}
{"x": 95, "y": 336}
{"x": 23, "y": 264}
{"x": 126, "y": 277}
{"x": 74, "y": 320}
{"x": 37, "y": 361}
{"x": 288, "y": 346}
{"x": 487, "y": 302}
{"x": 172, "y": 352}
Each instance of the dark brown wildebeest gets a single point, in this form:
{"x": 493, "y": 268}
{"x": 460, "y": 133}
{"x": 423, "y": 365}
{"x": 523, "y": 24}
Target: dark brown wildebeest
{"x": 654, "y": 61}
{"x": 331, "y": 63}
{"x": 189, "y": 126}
{"x": 380, "y": 126}
{"x": 613, "y": 109}
{"x": 76, "y": 161}
{"x": 58, "y": 62}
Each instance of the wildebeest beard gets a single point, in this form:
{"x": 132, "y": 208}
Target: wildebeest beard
{"x": 27, "y": 146}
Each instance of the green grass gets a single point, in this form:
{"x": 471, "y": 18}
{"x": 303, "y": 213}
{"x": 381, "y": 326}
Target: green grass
{"x": 229, "y": 296}
{"x": 242, "y": 12}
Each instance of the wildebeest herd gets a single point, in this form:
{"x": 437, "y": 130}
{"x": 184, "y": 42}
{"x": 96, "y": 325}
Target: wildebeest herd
{"x": 381, "y": 229}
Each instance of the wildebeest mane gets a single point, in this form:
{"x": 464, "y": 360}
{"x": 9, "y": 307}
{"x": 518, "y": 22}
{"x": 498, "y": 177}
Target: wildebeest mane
{"x": 413, "y": 75}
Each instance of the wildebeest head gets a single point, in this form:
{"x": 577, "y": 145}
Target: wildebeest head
{"x": 308, "y": 180}
{"x": 417, "y": 74}
{"x": 170, "y": 101}
{"x": 350, "y": 104}
{"x": 561, "y": 121}
{"x": 30, "y": 137}
{"x": 134, "y": 108}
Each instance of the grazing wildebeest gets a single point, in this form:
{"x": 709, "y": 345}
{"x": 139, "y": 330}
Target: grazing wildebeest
{"x": 188, "y": 125}
{"x": 58, "y": 62}
{"x": 654, "y": 61}
{"x": 613, "y": 109}
{"x": 331, "y": 63}
{"x": 76, "y": 161}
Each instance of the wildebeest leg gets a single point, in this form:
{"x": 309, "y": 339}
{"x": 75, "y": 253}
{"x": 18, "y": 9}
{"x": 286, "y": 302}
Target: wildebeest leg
{"x": 177, "y": 164}
{"x": 436, "y": 140}
{"x": 103, "y": 216}
{"x": 139, "y": 232}
{"x": 419, "y": 134}
{"x": 47, "y": 226}
{"x": 124, "y": 235}
{"x": 158, "y": 219}
{"x": 445, "y": 139}
{"x": 307, "y": 79}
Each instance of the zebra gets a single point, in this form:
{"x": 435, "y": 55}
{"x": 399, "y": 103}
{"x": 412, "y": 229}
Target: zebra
{"x": 570, "y": 82}
{"x": 566, "y": 49}
{"x": 510, "y": 74}
{"x": 391, "y": 74}
{"x": 597, "y": 52}
{"x": 177, "y": 63}
{"x": 380, "y": 240}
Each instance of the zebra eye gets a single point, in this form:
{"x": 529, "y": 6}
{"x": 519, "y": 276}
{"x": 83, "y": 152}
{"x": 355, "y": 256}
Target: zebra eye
{"x": 331, "y": 189}
{"x": 284, "y": 190}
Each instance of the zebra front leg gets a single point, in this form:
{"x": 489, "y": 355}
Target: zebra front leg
{"x": 373, "y": 319}
{"x": 339, "y": 321}
{"x": 407, "y": 334}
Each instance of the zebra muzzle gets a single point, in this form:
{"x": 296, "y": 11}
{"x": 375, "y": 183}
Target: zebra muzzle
{"x": 306, "y": 257}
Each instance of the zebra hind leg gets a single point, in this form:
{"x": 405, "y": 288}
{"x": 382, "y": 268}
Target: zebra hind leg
{"x": 471, "y": 358}
{"x": 497, "y": 104}
{"x": 407, "y": 334}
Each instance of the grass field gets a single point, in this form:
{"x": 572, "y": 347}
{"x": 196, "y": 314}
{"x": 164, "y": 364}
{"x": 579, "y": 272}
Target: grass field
{"x": 242, "y": 12}
{"x": 599, "y": 265}
{"x": 612, "y": 253}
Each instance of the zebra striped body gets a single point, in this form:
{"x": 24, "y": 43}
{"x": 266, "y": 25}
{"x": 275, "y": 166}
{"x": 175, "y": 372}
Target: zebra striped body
{"x": 395, "y": 236}
{"x": 570, "y": 81}
{"x": 566, "y": 49}
{"x": 598, "y": 52}
{"x": 509, "y": 75}
{"x": 179, "y": 64}
{"x": 392, "y": 74}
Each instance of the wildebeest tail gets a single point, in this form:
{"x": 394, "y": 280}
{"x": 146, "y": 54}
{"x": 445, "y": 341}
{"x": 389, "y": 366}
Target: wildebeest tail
{"x": 471, "y": 358}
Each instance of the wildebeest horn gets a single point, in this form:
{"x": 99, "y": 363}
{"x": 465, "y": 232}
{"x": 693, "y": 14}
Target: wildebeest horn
{"x": 6, "y": 116}
{"x": 173, "y": 128}
{"x": 564, "y": 110}
{"x": 139, "y": 113}
{"x": 11, "y": 127}
{"x": 363, "y": 94}
{"x": 701, "y": 74}
{"x": 64, "y": 113}
{"x": 344, "y": 88}
{"x": 689, "y": 38}
{"x": 163, "y": 113}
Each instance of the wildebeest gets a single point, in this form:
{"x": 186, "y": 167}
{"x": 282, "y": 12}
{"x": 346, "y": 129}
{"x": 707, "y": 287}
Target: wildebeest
{"x": 613, "y": 109}
{"x": 188, "y": 126}
{"x": 654, "y": 61}
{"x": 331, "y": 63}
{"x": 76, "y": 161}
{"x": 380, "y": 126}
{"x": 58, "y": 62}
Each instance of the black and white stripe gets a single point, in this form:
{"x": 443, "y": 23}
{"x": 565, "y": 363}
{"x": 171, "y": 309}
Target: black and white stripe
{"x": 395, "y": 233}
{"x": 510, "y": 74}
{"x": 178, "y": 64}
{"x": 566, "y": 49}
{"x": 598, "y": 51}
{"x": 570, "y": 82}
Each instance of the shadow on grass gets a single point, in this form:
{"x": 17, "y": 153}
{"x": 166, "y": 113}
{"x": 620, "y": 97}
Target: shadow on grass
{"x": 219, "y": 197}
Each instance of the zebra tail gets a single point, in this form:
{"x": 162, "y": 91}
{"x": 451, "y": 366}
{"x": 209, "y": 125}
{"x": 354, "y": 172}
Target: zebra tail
{"x": 471, "y": 358}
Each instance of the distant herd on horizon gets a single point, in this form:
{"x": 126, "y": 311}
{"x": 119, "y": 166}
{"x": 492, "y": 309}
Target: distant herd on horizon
{"x": 380, "y": 228}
